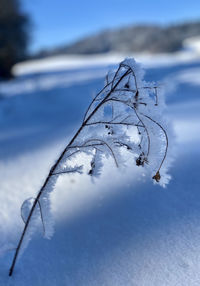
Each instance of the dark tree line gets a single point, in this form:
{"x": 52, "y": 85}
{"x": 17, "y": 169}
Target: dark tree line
{"x": 14, "y": 26}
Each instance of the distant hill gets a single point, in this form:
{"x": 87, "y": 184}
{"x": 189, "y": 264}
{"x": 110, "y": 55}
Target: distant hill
{"x": 141, "y": 38}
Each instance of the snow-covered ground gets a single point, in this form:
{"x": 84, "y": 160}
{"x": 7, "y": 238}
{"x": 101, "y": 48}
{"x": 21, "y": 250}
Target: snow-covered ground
{"x": 122, "y": 230}
{"x": 193, "y": 44}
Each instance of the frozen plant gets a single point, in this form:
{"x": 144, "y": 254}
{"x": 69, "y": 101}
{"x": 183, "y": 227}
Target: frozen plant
{"x": 124, "y": 117}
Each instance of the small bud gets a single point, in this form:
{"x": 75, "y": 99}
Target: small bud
{"x": 157, "y": 177}
{"x": 141, "y": 160}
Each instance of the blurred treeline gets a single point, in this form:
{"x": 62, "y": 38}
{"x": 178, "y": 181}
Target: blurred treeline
{"x": 147, "y": 38}
{"x": 14, "y": 26}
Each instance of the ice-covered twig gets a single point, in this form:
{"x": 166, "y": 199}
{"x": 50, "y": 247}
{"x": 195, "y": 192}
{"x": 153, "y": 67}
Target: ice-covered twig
{"x": 124, "y": 103}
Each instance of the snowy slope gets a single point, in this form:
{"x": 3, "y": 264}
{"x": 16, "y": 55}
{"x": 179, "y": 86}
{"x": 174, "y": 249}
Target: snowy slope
{"x": 192, "y": 44}
{"x": 123, "y": 230}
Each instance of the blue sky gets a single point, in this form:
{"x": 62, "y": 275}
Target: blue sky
{"x": 56, "y": 22}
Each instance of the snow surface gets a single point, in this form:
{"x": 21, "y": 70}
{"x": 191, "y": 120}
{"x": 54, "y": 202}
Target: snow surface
{"x": 69, "y": 62}
{"x": 192, "y": 44}
{"x": 122, "y": 230}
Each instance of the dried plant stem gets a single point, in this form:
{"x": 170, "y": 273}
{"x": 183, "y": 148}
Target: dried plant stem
{"x": 51, "y": 172}
{"x": 118, "y": 119}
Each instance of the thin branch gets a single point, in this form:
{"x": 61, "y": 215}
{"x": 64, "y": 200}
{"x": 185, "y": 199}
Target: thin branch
{"x": 95, "y": 98}
{"x": 167, "y": 141}
{"x": 78, "y": 170}
{"x": 156, "y": 94}
{"x": 114, "y": 123}
{"x": 41, "y": 215}
{"x": 105, "y": 143}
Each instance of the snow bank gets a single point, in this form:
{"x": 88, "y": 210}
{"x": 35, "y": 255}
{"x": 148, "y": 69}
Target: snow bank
{"x": 193, "y": 44}
{"x": 70, "y": 62}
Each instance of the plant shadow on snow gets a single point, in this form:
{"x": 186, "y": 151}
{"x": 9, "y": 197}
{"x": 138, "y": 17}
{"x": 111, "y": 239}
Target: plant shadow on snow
{"x": 119, "y": 235}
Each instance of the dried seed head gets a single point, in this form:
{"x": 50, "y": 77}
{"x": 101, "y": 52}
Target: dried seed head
{"x": 141, "y": 160}
{"x": 157, "y": 177}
